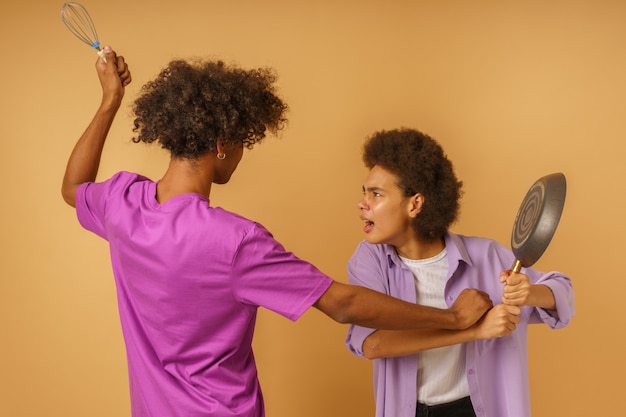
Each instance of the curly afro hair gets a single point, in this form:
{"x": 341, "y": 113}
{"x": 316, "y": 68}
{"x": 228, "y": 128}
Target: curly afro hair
{"x": 421, "y": 167}
{"x": 193, "y": 104}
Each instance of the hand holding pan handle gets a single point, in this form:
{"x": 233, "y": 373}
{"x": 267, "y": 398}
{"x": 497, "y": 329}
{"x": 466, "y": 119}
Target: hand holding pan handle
{"x": 537, "y": 219}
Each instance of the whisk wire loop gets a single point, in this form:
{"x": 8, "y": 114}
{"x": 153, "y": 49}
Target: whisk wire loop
{"x": 76, "y": 18}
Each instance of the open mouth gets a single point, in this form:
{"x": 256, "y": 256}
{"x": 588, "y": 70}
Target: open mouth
{"x": 369, "y": 225}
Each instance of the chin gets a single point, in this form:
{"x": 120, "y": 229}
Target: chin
{"x": 371, "y": 239}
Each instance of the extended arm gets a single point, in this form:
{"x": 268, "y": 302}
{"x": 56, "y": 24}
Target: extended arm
{"x": 500, "y": 321}
{"x": 84, "y": 160}
{"x": 368, "y": 308}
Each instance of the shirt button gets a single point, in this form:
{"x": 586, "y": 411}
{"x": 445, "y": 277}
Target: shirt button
{"x": 471, "y": 372}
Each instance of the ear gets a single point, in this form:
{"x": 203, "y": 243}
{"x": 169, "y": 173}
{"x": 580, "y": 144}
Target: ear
{"x": 416, "y": 203}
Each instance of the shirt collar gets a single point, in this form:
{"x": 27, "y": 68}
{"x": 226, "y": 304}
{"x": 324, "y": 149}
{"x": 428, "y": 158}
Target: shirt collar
{"x": 455, "y": 247}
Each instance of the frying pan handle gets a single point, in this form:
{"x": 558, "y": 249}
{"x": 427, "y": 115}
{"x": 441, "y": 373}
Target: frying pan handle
{"x": 517, "y": 266}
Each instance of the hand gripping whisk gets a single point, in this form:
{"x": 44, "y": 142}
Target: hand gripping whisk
{"x": 76, "y": 18}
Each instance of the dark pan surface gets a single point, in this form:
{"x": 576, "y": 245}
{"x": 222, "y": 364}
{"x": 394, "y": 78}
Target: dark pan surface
{"x": 538, "y": 218}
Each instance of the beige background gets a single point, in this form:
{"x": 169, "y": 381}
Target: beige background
{"x": 512, "y": 89}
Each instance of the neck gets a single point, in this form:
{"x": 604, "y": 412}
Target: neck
{"x": 421, "y": 249}
{"x": 184, "y": 176}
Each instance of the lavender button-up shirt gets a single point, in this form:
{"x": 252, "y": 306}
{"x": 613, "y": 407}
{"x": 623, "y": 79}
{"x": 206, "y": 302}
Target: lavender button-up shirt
{"x": 497, "y": 369}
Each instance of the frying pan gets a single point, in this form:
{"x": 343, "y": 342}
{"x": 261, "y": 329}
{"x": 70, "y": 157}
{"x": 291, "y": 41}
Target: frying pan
{"x": 537, "y": 219}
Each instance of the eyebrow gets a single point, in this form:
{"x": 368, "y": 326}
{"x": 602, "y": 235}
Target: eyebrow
{"x": 370, "y": 189}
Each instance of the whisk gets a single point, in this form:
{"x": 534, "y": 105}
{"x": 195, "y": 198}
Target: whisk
{"x": 76, "y": 18}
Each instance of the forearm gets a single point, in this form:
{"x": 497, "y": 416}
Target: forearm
{"x": 541, "y": 296}
{"x": 379, "y": 311}
{"x": 368, "y": 308}
{"x": 390, "y": 343}
{"x": 499, "y": 321}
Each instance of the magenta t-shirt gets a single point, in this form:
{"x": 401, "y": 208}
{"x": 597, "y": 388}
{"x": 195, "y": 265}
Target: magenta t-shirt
{"x": 189, "y": 279}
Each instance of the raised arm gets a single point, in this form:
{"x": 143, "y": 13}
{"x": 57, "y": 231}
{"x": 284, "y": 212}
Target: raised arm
{"x": 368, "y": 308}
{"x": 84, "y": 160}
{"x": 500, "y": 321}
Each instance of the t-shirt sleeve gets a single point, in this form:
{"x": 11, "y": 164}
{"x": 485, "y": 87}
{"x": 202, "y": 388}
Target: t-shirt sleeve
{"x": 92, "y": 200}
{"x": 266, "y": 275}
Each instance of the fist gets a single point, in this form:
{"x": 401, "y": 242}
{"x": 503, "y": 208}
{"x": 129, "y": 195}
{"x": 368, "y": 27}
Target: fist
{"x": 516, "y": 288}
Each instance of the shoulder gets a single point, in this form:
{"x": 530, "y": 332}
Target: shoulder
{"x": 370, "y": 257}
{"x": 117, "y": 183}
{"x": 125, "y": 179}
{"x": 475, "y": 249}
{"x": 237, "y": 222}
{"x": 474, "y": 244}
{"x": 249, "y": 234}
{"x": 103, "y": 193}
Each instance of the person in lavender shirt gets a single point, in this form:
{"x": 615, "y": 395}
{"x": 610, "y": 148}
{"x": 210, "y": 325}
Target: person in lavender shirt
{"x": 190, "y": 276}
{"x": 410, "y": 199}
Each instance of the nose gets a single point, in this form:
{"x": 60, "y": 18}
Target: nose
{"x": 361, "y": 205}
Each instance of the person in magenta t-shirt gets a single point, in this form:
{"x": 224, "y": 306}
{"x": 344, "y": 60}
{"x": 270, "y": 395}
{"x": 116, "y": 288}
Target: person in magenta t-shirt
{"x": 410, "y": 198}
{"x": 190, "y": 276}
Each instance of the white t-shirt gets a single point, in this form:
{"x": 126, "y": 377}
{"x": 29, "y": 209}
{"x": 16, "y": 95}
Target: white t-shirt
{"x": 440, "y": 371}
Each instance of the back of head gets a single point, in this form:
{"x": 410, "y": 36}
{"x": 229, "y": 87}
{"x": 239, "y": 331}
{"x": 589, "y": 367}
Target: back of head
{"x": 191, "y": 105}
{"x": 421, "y": 167}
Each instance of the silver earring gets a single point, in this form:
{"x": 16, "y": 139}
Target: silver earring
{"x": 221, "y": 156}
